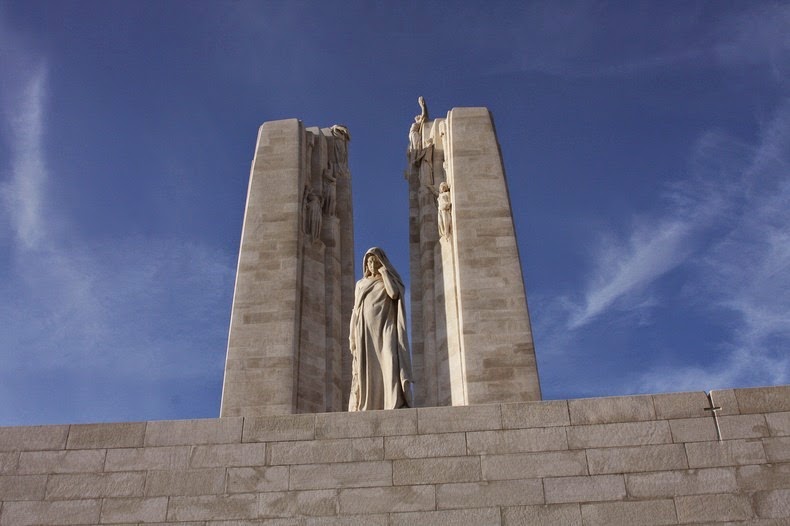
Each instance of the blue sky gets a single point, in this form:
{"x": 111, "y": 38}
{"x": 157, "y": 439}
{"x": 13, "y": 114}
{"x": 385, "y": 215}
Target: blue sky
{"x": 646, "y": 144}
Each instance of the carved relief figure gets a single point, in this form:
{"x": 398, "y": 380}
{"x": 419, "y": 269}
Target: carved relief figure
{"x": 312, "y": 215}
{"x": 425, "y": 162}
{"x": 381, "y": 370}
{"x": 310, "y": 141}
{"x": 342, "y": 138}
{"x": 445, "y": 219}
{"x": 330, "y": 190}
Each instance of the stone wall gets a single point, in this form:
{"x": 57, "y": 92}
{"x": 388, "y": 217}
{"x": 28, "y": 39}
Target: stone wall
{"x": 608, "y": 461}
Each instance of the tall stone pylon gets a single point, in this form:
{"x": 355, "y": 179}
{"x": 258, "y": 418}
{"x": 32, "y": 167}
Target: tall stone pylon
{"x": 287, "y": 350}
{"x": 471, "y": 333}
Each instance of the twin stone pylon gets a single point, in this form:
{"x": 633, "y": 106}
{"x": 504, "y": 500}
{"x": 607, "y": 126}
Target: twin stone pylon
{"x": 471, "y": 336}
{"x": 295, "y": 277}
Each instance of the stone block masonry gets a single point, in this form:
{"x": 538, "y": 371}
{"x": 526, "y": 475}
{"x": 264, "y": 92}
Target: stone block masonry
{"x": 627, "y": 460}
{"x": 471, "y": 332}
{"x": 295, "y": 278}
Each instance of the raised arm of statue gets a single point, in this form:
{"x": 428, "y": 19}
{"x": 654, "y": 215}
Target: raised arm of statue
{"x": 415, "y": 132}
{"x": 391, "y": 288}
{"x": 424, "y": 107}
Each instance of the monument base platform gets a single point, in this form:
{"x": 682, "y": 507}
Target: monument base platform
{"x": 652, "y": 459}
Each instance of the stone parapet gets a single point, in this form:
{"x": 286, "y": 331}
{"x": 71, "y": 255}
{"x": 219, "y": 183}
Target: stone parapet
{"x": 622, "y": 460}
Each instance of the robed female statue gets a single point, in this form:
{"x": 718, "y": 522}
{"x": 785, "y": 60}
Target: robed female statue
{"x": 381, "y": 370}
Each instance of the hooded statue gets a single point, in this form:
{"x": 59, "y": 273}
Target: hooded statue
{"x": 381, "y": 370}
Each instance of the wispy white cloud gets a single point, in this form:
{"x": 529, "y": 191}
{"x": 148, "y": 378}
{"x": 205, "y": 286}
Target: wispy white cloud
{"x": 624, "y": 269}
{"x": 22, "y": 195}
{"x": 727, "y": 229}
{"x": 76, "y": 312}
{"x": 759, "y": 35}
{"x": 658, "y": 243}
{"x": 747, "y": 272}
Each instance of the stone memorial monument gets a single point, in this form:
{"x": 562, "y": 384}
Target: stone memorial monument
{"x": 471, "y": 333}
{"x": 295, "y": 278}
{"x": 500, "y": 457}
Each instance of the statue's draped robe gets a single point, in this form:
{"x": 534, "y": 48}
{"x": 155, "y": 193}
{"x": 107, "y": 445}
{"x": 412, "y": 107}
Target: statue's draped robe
{"x": 378, "y": 338}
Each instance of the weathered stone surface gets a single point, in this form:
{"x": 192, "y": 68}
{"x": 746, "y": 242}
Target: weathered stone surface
{"x": 535, "y": 414}
{"x": 693, "y": 429}
{"x": 435, "y": 470}
{"x": 493, "y": 493}
{"x": 257, "y": 479}
{"x": 622, "y": 434}
{"x": 341, "y": 475}
{"x": 681, "y": 405}
{"x": 421, "y": 446}
{"x": 8, "y": 462}
{"x": 92, "y": 436}
{"x": 212, "y": 507}
{"x": 777, "y": 449}
{"x": 225, "y": 455}
{"x": 391, "y": 499}
{"x": 43, "y": 512}
{"x": 291, "y": 521}
{"x": 637, "y": 513}
{"x": 278, "y": 428}
{"x": 323, "y": 451}
{"x": 743, "y": 426}
{"x": 528, "y": 465}
{"x": 710, "y": 508}
{"x": 90, "y": 486}
{"x": 548, "y": 514}
{"x": 85, "y": 461}
{"x": 779, "y": 423}
{"x": 431, "y": 478}
{"x": 634, "y": 459}
{"x": 22, "y": 487}
{"x": 134, "y": 510}
{"x": 693, "y": 404}
{"x": 366, "y": 424}
{"x": 764, "y": 399}
{"x": 33, "y": 438}
{"x": 297, "y": 503}
{"x": 685, "y": 482}
{"x": 726, "y": 453}
{"x": 345, "y": 520}
{"x": 516, "y": 440}
{"x": 147, "y": 458}
{"x": 774, "y": 504}
{"x": 763, "y": 477}
{"x": 478, "y": 517}
{"x": 611, "y": 410}
{"x": 464, "y": 418}
{"x": 584, "y": 489}
{"x": 186, "y": 482}
{"x": 208, "y": 431}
